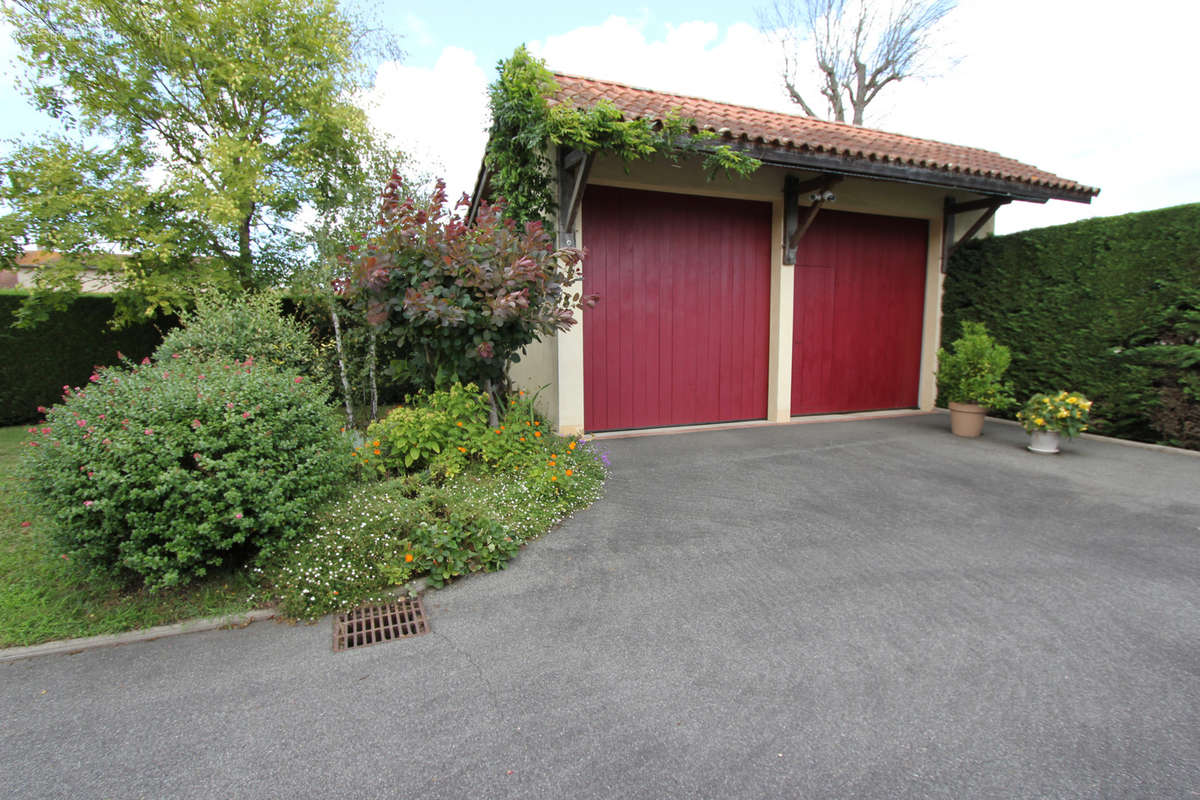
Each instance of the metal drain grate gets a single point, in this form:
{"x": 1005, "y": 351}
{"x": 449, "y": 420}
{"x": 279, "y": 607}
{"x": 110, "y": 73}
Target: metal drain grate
{"x": 374, "y": 624}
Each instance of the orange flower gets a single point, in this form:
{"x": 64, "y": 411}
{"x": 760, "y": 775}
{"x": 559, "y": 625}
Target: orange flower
{"x": 553, "y": 477}
{"x": 537, "y": 433}
{"x": 522, "y": 393}
{"x": 537, "y": 423}
{"x": 408, "y": 558}
{"x": 459, "y": 423}
{"x": 501, "y": 427}
{"x": 375, "y": 443}
{"x": 462, "y": 449}
{"x": 522, "y": 438}
{"x": 551, "y": 464}
{"x": 527, "y": 424}
{"x": 570, "y": 473}
{"x": 376, "y": 452}
{"x": 497, "y": 431}
{"x": 571, "y": 446}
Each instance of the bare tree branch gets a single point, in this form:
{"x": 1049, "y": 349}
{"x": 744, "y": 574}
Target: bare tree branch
{"x": 859, "y": 46}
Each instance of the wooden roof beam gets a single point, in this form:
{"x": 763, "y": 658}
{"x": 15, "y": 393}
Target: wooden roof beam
{"x": 952, "y": 209}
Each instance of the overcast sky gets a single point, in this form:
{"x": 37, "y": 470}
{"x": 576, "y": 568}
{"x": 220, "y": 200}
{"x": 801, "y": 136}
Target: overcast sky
{"x": 1092, "y": 90}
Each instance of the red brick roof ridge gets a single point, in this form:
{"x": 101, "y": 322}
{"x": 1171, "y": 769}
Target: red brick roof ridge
{"x": 859, "y": 140}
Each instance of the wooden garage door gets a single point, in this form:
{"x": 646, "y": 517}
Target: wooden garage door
{"x": 680, "y": 334}
{"x": 860, "y": 293}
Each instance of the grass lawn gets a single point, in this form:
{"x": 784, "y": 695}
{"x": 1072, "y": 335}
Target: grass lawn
{"x": 45, "y": 597}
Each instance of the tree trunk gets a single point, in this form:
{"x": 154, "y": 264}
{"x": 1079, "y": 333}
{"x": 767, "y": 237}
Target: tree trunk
{"x": 337, "y": 339}
{"x": 371, "y": 371}
{"x": 245, "y": 265}
{"x": 489, "y": 387}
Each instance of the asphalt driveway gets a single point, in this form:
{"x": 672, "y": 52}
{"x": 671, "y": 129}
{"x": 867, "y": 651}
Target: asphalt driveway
{"x": 866, "y": 609}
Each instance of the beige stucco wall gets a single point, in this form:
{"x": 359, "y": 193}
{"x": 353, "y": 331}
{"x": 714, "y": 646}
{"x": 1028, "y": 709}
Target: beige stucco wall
{"x": 560, "y": 360}
{"x": 26, "y": 278}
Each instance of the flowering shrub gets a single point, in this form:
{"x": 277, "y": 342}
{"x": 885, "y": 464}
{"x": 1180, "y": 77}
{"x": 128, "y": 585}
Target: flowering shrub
{"x": 169, "y": 468}
{"x": 378, "y": 537}
{"x": 461, "y": 301}
{"x": 516, "y": 482}
{"x": 1064, "y": 412}
{"x": 432, "y": 429}
{"x": 447, "y": 430}
{"x": 250, "y": 326}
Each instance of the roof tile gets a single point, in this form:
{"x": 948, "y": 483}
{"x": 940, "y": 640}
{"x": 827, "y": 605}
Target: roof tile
{"x": 789, "y": 131}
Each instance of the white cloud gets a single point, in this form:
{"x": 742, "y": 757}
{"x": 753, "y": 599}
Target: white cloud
{"x": 693, "y": 58}
{"x": 1087, "y": 90}
{"x": 438, "y": 115}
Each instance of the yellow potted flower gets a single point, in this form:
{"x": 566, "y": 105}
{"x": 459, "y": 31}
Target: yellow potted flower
{"x": 1049, "y": 417}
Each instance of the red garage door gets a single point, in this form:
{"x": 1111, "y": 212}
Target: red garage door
{"x": 680, "y": 335}
{"x": 860, "y": 292}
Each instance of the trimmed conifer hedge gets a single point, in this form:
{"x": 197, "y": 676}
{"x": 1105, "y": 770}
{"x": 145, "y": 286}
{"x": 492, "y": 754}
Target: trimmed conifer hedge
{"x": 1088, "y": 307}
{"x": 35, "y": 363}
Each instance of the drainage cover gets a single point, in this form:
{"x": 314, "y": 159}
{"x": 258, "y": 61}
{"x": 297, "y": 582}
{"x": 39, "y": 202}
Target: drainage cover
{"x": 374, "y": 624}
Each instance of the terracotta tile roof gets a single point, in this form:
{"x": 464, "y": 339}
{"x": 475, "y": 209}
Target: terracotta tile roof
{"x": 788, "y": 132}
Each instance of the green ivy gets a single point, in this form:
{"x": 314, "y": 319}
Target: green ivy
{"x": 526, "y": 128}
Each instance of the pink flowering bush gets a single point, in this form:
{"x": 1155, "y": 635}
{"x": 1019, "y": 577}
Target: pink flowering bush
{"x": 167, "y": 469}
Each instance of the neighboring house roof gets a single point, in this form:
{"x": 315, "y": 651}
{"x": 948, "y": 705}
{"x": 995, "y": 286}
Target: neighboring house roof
{"x": 26, "y": 266}
{"x": 808, "y": 143}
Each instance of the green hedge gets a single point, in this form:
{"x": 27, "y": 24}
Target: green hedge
{"x": 37, "y": 362}
{"x": 1071, "y": 301}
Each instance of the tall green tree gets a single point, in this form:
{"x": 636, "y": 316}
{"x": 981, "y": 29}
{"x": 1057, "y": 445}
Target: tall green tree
{"x": 195, "y": 133}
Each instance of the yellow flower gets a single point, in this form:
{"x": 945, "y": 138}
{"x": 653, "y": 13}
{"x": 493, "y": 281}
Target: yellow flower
{"x": 1072, "y": 400}
{"x": 1039, "y": 421}
{"x": 1062, "y": 413}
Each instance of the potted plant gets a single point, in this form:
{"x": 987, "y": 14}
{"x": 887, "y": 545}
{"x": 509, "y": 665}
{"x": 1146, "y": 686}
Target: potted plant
{"x": 1048, "y": 417}
{"x": 971, "y": 378}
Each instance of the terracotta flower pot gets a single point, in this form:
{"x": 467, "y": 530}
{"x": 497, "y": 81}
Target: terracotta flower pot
{"x": 966, "y": 419}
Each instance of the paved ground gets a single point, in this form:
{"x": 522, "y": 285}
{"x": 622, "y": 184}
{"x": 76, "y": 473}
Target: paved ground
{"x": 867, "y": 609}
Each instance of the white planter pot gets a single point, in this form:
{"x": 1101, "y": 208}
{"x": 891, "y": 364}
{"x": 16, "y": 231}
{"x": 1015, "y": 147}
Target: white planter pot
{"x": 1044, "y": 442}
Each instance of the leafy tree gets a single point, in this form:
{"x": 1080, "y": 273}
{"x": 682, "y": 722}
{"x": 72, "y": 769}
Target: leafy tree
{"x": 858, "y": 48}
{"x": 212, "y": 126}
{"x": 462, "y": 301}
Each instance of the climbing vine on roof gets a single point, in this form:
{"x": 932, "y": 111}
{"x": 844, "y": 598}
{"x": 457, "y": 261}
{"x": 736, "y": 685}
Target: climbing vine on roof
{"x": 526, "y": 129}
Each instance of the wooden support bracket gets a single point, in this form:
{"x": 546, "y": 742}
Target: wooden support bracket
{"x": 951, "y": 209}
{"x": 573, "y": 169}
{"x": 794, "y": 227}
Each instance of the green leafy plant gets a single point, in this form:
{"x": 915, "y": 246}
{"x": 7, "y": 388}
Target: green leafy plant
{"x": 429, "y": 429}
{"x": 1062, "y": 412}
{"x": 164, "y": 470}
{"x": 973, "y": 371}
{"x": 249, "y": 326}
{"x": 525, "y": 126}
